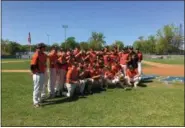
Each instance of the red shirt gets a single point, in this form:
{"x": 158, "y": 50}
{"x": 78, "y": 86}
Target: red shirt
{"x": 92, "y": 57}
{"x": 114, "y": 58}
{"x": 39, "y": 59}
{"x": 106, "y": 59}
{"x": 109, "y": 75}
{"x": 62, "y": 59}
{"x": 94, "y": 72}
{"x": 131, "y": 74}
{"x": 140, "y": 56}
{"x": 72, "y": 74}
{"x": 114, "y": 68}
{"x": 52, "y": 60}
{"x": 123, "y": 58}
{"x": 76, "y": 52}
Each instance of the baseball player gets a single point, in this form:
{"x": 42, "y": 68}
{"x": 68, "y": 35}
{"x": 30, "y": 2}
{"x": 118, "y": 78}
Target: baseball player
{"x": 61, "y": 72}
{"x": 52, "y": 56}
{"x": 132, "y": 76}
{"x": 96, "y": 77}
{"x": 72, "y": 81}
{"x": 140, "y": 58}
{"x": 38, "y": 68}
{"x": 124, "y": 60}
{"x": 132, "y": 58}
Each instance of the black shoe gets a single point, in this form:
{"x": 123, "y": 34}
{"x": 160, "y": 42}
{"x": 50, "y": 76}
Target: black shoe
{"x": 61, "y": 94}
{"x": 91, "y": 92}
{"x": 102, "y": 89}
{"x": 82, "y": 94}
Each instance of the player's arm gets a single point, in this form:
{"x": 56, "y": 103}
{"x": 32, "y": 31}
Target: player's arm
{"x": 68, "y": 78}
{"x": 77, "y": 55}
{"x": 34, "y": 63}
{"x": 97, "y": 76}
{"x": 141, "y": 56}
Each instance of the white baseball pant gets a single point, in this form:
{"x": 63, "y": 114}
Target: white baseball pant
{"x": 52, "y": 81}
{"x": 124, "y": 68}
{"x": 70, "y": 90}
{"x": 97, "y": 82}
{"x": 38, "y": 81}
{"x": 139, "y": 68}
{"x": 61, "y": 75}
{"x": 135, "y": 80}
{"x": 44, "y": 90}
{"x": 81, "y": 86}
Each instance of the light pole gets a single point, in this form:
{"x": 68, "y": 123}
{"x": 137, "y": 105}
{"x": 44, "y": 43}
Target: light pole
{"x": 48, "y": 38}
{"x": 65, "y": 27}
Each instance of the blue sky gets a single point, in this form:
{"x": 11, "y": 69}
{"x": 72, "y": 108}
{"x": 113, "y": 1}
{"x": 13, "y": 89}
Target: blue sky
{"x": 120, "y": 20}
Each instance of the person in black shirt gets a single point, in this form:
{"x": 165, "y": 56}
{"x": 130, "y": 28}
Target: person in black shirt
{"x": 133, "y": 58}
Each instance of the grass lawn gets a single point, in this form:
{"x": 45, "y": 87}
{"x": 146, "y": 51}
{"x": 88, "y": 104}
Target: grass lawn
{"x": 26, "y": 65}
{"x": 13, "y": 59}
{"x": 16, "y": 65}
{"x": 154, "y": 105}
{"x": 179, "y": 60}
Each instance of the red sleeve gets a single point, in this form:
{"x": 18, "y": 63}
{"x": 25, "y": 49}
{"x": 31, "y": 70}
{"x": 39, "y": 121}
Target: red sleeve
{"x": 141, "y": 56}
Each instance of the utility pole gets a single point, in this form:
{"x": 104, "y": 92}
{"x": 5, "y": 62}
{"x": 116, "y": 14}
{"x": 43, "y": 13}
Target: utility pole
{"x": 65, "y": 27}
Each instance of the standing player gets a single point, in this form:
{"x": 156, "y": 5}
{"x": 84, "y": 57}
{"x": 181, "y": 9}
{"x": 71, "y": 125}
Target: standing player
{"x": 62, "y": 67}
{"x": 52, "y": 71}
{"x": 132, "y": 58}
{"x": 38, "y": 68}
{"x": 124, "y": 60}
{"x": 140, "y": 58}
{"x": 106, "y": 57}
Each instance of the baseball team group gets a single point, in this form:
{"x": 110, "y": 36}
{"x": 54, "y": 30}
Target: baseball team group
{"x": 76, "y": 72}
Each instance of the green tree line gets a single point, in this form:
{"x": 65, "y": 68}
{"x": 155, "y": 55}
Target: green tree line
{"x": 166, "y": 41}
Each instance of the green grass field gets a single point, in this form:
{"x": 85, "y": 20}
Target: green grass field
{"x": 154, "y": 105}
{"x": 25, "y": 65}
{"x": 175, "y": 60}
{"x": 16, "y": 65}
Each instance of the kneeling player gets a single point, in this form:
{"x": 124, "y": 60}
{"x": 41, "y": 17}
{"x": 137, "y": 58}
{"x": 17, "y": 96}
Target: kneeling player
{"x": 96, "y": 77}
{"x": 72, "y": 81}
{"x": 132, "y": 76}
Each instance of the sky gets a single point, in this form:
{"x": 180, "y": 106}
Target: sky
{"x": 118, "y": 20}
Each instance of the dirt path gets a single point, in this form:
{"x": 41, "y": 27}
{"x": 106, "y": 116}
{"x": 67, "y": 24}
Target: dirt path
{"x": 14, "y": 61}
{"x": 15, "y": 70}
{"x": 163, "y": 69}
{"x": 155, "y": 69}
{"x": 161, "y": 65}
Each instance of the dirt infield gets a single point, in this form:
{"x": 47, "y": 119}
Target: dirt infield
{"x": 155, "y": 69}
{"x": 14, "y": 61}
{"x": 163, "y": 69}
{"x": 15, "y": 71}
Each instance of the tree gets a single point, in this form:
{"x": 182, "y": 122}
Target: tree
{"x": 169, "y": 39}
{"x": 96, "y": 41}
{"x": 70, "y": 43}
{"x": 141, "y": 38}
{"x": 84, "y": 45}
{"x": 13, "y": 47}
{"x": 120, "y": 44}
{"x": 152, "y": 43}
{"x": 55, "y": 44}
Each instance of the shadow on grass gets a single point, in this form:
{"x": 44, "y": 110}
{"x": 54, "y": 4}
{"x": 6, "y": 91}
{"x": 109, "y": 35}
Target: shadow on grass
{"x": 62, "y": 100}
{"x": 142, "y": 84}
{"x": 147, "y": 81}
